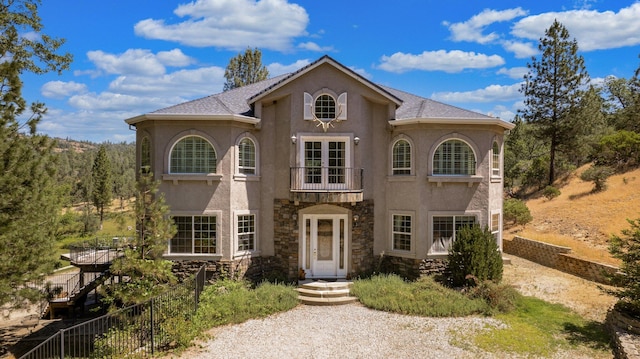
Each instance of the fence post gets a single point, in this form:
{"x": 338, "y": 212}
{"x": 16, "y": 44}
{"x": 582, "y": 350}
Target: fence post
{"x": 61, "y": 343}
{"x": 152, "y": 326}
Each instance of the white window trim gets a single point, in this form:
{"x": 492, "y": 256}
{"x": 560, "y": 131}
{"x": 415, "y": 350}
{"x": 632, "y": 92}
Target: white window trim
{"x": 238, "y": 176}
{"x": 310, "y": 101}
{"x": 439, "y": 179}
{"x": 412, "y": 159}
{"x": 497, "y": 234}
{"x": 397, "y": 252}
{"x": 454, "y": 214}
{"x": 256, "y": 226}
{"x": 195, "y": 256}
{"x": 177, "y": 177}
{"x": 499, "y": 170}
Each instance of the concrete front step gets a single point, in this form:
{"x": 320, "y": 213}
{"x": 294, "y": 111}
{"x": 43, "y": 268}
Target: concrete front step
{"x": 325, "y": 293}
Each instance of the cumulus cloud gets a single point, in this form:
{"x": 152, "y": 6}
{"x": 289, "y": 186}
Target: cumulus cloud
{"x": 488, "y": 94}
{"x": 276, "y": 69}
{"x": 521, "y": 50}
{"x": 138, "y": 61}
{"x": 472, "y": 29}
{"x": 231, "y": 24}
{"x": 312, "y": 46}
{"x": 197, "y": 82}
{"x": 516, "y": 73}
{"x": 61, "y": 89}
{"x": 592, "y": 29}
{"x": 441, "y": 60}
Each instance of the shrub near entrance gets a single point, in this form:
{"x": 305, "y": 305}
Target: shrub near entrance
{"x": 474, "y": 257}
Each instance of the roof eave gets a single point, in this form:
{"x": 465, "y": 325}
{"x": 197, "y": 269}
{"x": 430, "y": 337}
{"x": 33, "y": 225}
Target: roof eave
{"x": 453, "y": 121}
{"x": 192, "y": 117}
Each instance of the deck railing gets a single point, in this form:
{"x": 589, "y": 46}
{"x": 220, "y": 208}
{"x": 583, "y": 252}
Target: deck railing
{"x": 137, "y": 331}
{"x": 326, "y": 179}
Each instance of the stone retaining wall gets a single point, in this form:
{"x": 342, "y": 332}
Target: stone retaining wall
{"x": 624, "y": 331}
{"x": 559, "y": 258}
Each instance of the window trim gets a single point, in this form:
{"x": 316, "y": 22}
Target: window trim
{"x": 191, "y": 256}
{"x": 236, "y": 234}
{"x": 238, "y": 175}
{"x": 412, "y": 238}
{"x": 454, "y": 214}
{"x": 439, "y": 179}
{"x": 411, "y": 158}
{"x": 496, "y": 163}
{"x": 496, "y": 233}
{"x": 173, "y": 145}
{"x": 177, "y": 177}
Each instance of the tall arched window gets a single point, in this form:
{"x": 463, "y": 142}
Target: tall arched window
{"x": 454, "y": 157}
{"x": 193, "y": 154}
{"x": 401, "y": 158}
{"x": 246, "y": 156}
{"x": 145, "y": 155}
{"x": 495, "y": 159}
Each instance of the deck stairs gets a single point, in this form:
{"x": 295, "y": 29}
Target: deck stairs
{"x": 321, "y": 292}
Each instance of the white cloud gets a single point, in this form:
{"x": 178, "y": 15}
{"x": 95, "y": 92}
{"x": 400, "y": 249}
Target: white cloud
{"x": 276, "y": 69}
{"x": 361, "y": 72}
{"x": 61, "y": 89}
{"x": 521, "y": 50}
{"x": 137, "y": 61}
{"x": 516, "y": 73}
{"x": 192, "y": 83}
{"x": 231, "y": 24}
{"x": 592, "y": 29}
{"x": 488, "y": 94}
{"x": 441, "y": 60}
{"x": 471, "y": 30}
{"x": 312, "y": 46}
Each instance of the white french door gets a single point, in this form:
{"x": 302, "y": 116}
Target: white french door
{"x": 324, "y": 245}
{"x": 325, "y": 162}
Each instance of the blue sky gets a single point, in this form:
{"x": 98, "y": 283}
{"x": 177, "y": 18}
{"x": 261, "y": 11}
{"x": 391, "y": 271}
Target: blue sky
{"x": 133, "y": 57}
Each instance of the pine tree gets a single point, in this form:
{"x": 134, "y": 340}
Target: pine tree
{"x": 102, "y": 182}
{"x": 245, "y": 69}
{"x": 29, "y": 197}
{"x": 553, "y": 89}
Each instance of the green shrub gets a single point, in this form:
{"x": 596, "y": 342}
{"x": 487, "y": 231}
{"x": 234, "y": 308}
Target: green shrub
{"x": 501, "y": 298}
{"x": 474, "y": 257}
{"x": 598, "y": 175}
{"x": 620, "y": 150}
{"x": 516, "y": 212}
{"x": 550, "y": 192}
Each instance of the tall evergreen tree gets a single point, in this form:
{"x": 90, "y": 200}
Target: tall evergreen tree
{"x": 553, "y": 89}
{"x": 245, "y": 69}
{"x": 29, "y": 197}
{"x": 102, "y": 182}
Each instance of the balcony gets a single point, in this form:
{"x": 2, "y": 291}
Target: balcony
{"x": 326, "y": 184}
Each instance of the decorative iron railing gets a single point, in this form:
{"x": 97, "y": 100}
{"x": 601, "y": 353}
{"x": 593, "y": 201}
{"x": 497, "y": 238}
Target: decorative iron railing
{"x": 137, "y": 331}
{"x": 326, "y": 179}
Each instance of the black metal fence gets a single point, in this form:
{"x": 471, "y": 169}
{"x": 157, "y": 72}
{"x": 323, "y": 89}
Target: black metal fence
{"x": 138, "y": 331}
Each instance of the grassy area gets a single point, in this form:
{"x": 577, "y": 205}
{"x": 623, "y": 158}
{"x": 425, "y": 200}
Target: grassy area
{"x": 534, "y": 328}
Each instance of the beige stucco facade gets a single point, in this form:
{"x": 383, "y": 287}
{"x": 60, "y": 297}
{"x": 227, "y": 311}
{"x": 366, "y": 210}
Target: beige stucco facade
{"x": 348, "y": 217}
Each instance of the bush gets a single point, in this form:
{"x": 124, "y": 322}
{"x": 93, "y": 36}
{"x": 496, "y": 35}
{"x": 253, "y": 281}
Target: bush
{"x": 550, "y": 192}
{"x": 598, "y": 175}
{"x": 516, "y": 212}
{"x": 627, "y": 249}
{"x": 620, "y": 150}
{"x": 474, "y": 256}
{"x": 501, "y": 298}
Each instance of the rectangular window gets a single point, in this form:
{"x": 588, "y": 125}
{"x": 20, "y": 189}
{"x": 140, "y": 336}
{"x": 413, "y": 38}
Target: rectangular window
{"x": 246, "y": 232}
{"x": 401, "y": 232}
{"x": 495, "y": 225}
{"x": 495, "y": 160}
{"x": 444, "y": 231}
{"x": 195, "y": 235}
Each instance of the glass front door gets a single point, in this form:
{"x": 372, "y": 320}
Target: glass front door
{"x": 325, "y": 162}
{"x": 324, "y": 246}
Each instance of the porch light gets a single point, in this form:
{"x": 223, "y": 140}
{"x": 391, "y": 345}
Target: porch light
{"x": 356, "y": 140}
{"x": 294, "y": 139}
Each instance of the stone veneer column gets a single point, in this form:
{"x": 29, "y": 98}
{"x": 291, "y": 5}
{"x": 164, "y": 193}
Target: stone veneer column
{"x": 286, "y": 234}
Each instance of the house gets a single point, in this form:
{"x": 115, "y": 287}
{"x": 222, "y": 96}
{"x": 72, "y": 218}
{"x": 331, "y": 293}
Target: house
{"x": 322, "y": 171}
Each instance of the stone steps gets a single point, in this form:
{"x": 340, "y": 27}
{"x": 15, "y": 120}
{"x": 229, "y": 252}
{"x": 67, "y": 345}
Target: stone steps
{"x": 325, "y": 293}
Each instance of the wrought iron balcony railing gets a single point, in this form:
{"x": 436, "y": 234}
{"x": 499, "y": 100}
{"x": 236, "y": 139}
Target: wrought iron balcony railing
{"x": 326, "y": 179}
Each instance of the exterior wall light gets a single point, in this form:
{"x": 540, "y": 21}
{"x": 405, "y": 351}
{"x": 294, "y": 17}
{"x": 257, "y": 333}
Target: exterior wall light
{"x": 356, "y": 140}
{"x": 294, "y": 139}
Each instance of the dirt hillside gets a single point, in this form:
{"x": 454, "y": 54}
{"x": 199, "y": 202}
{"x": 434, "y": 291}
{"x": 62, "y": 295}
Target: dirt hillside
{"x": 581, "y": 219}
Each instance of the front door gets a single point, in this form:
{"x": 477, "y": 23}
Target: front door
{"x": 324, "y": 246}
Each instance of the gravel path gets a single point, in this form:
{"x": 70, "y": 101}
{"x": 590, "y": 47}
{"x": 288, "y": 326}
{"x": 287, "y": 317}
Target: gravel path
{"x": 346, "y": 331}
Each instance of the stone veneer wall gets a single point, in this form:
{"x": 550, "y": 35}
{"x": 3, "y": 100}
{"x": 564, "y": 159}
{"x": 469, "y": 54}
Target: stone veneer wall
{"x": 559, "y": 258}
{"x": 254, "y": 269}
{"x": 286, "y": 235}
{"x": 412, "y": 268}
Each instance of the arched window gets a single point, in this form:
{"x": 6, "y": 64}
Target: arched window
{"x": 193, "y": 154}
{"x": 145, "y": 155}
{"x": 454, "y": 157}
{"x": 325, "y": 107}
{"x": 401, "y": 158}
{"x": 247, "y": 157}
{"x": 495, "y": 160}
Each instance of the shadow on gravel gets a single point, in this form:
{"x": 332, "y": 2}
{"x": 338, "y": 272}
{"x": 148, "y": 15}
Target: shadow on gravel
{"x": 593, "y": 335}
